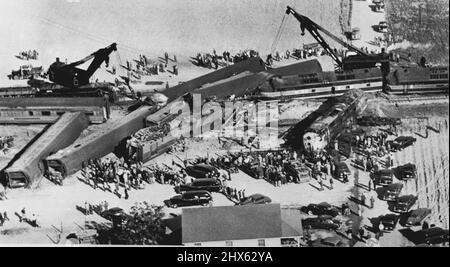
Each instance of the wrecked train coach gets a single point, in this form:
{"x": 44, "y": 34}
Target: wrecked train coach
{"x": 29, "y": 167}
{"x": 107, "y": 138}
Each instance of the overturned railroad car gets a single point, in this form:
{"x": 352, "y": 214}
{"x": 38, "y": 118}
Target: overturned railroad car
{"x": 327, "y": 126}
{"x": 107, "y": 138}
{"x": 28, "y": 169}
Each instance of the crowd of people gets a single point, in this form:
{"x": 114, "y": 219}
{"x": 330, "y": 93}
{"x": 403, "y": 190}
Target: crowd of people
{"x": 214, "y": 61}
{"x": 145, "y": 67}
{"x": 372, "y": 147}
{"x": 283, "y": 166}
{"x": 6, "y": 142}
{"x": 30, "y": 54}
{"x": 116, "y": 176}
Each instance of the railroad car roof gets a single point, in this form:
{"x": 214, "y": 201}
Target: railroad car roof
{"x": 51, "y": 102}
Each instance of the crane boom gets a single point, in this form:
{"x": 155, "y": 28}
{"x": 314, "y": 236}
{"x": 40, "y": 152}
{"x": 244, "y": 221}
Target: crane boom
{"x": 71, "y": 76}
{"x": 361, "y": 60}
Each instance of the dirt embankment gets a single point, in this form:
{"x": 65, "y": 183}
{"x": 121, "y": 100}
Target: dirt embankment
{"x": 345, "y": 17}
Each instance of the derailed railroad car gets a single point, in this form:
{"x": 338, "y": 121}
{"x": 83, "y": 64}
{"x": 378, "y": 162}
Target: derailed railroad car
{"x": 29, "y": 168}
{"x": 103, "y": 141}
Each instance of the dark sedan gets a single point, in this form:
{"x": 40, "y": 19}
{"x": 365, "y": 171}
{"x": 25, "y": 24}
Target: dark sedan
{"x": 391, "y": 192}
{"x": 192, "y": 198}
{"x": 202, "y": 171}
{"x": 417, "y": 216}
{"x": 404, "y": 203}
{"x": 208, "y": 184}
{"x": 389, "y": 221}
{"x": 433, "y": 236}
{"x": 401, "y": 142}
{"x": 320, "y": 209}
{"x": 407, "y": 171}
{"x": 325, "y": 222}
{"x": 382, "y": 177}
{"x": 255, "y": 199}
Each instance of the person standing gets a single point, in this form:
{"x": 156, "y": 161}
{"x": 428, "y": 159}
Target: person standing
{"x": 361, "y": 233}
{"x": 166, "y": 57}
{"x": 331, "y": 183}
{"x": 372, "y": 202}
{"x": 370, "y": 185}
{"x": 320, "y": 183}
{"x": 125, "y": 193}
{"x": 363, "y": 199}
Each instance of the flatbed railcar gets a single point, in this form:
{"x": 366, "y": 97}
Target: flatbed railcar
{"x": 29, "y": 167}
{"x": 49, "y": 109}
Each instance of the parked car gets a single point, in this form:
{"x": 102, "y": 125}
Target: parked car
{"x": 115, "y": 215}
{"x": 392, "y": 192}
{"x": 401, "y": 142}
{"x": 389, "y": 221}
{"x": 191, "y": 198}
{"x": 207, "y": 184}
{"x": 417, "y": 216}
{"x": 382, "y": 27}
{"x": 333, "y": 241}
{"x": 382, "y": 177}
{"x": 341, "y": 171}
{"x": 404, "y": 203}
{"x": 325, "y": 222}
{"x": 255, "y": 199}
{"x": 435, "y": 235}
{"x": 382, "y": 24}
{"x": 202, "y": 171}
{"x": 407, "y": 171}
{"x": 320, "y": 209}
